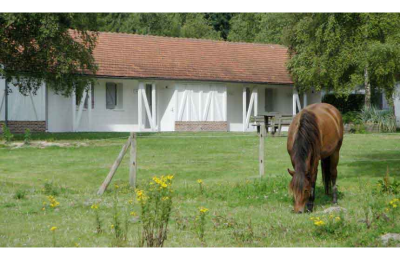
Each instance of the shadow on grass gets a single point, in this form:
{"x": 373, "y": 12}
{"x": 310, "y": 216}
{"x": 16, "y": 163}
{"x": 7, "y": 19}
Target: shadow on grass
{"x": 373, "y": 164}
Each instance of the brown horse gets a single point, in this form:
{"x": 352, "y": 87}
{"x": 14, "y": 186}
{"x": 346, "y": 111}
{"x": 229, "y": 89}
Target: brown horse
{"x": 316, "y": 133}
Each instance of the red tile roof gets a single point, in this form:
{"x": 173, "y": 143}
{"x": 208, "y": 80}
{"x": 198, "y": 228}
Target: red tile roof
{"x": 143, "y": 56}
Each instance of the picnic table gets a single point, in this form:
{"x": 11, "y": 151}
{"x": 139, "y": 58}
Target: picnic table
{"x": 273, "y": 120}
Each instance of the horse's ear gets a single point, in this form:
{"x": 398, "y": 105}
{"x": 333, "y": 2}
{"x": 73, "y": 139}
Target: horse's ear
{"x": 290, "y": 172}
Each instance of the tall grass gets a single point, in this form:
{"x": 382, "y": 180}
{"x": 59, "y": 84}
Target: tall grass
{"x": 385, "y": 119}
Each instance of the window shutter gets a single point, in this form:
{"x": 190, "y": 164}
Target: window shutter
{"x": 111, "y": 97}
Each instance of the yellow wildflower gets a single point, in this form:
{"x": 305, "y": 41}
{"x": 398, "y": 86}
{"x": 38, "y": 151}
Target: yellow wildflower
{"x": 164, "y": 198}
{"x": 331, "y": 216}
{"x": 199, "y": 181}
{"x": 53, "y": 229}
{"x": 94, "y": 207}
{"x": 337, "y": 218}
{"x": 43, "y": 208}
{"x": 140, "y": 196}
{"x": 170, "y": 177}
{"x": 163, "y": 185}
{"x": 112, "y": 226}
{"x": 387, "y": 209}
{"x": 319, "y": 223}
{"x": 133, "y": 213}
{"x": 130, "y": 201}
{"x": 116, "y": 186}
{"x": 203, "y": 210}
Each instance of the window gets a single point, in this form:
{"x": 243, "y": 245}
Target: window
{"x": 87, "y": 98}
{"x": 78, "y": 99}
{"x": 111, "y": 95}
{"x": 269, "y": 100}
{"x": 114, "y": 96}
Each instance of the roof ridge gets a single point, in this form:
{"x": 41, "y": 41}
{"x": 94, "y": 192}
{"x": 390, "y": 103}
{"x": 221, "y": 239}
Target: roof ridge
{"x": 195, "y": 39}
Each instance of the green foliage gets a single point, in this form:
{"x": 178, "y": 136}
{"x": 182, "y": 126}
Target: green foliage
{"x": 50, "y": 52}
{"x": 156, "y": 205}
{"x": 189, "y": 25}
{"x": 258, "y": 27}
{"x": 352, "y": 117}
{"x": 20, "y": 194}
{"x": 27, "y": 137}
{"x": 334, "y": 50}
{"x": 220, "y": 22}
{"x": 332, "y": 225}
{"x": 7, "y": 136}
{"x": 50, "y": 189}
{"x": 385, "y": 119}
{"x": 387, "y": 186}
{"x": 345, "y": 104}
{"x": 196, "y": 26}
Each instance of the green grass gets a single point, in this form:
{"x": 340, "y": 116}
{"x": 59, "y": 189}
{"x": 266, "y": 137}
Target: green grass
{"x": 244, "y": 210}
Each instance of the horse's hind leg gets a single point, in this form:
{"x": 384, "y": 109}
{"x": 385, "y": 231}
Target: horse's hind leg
{"x": 334, "y": 160}
{"x": 326, "y": 174}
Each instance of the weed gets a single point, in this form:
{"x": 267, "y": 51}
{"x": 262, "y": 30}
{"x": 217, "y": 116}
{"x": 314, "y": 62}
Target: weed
{"x": 20, "y": 194}
{"x": 7, "y": 136}
{"x": 27, "y": 137}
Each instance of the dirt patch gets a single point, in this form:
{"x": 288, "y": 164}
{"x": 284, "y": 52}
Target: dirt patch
{"x": 45, "y": 144}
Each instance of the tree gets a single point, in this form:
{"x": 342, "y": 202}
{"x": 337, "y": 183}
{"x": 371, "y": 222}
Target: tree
{"x": 196, "y": 26}
{"x": 161, "y": 24}
{"x": 342, "y": 51}
{"x": 244, "y": 27}
{"x": 41, "y": 47}
{"x": 220, "y": 22}
{"x": 258, "y": 27}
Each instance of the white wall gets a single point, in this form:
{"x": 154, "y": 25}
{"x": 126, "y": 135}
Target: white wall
{"x": 2, "y": 99}
{"x": 203, "y": 102}
{"x": 397, "y": 104}
{"x": 23, "y": 108}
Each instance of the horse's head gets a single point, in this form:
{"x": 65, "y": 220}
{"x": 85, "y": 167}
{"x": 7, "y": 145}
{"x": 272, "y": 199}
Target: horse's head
{"x": 300, "y": 186}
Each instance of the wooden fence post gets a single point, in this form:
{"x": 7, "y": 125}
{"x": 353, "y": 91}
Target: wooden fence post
{"x": 133, "y": 162}
{"x": 114, "y": 168}
{"x": 261, "y": 154}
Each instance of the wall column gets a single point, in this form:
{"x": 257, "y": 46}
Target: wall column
{"x": 244, "y": 109}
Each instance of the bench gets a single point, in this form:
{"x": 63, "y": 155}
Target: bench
{"x": 274, "y": 121}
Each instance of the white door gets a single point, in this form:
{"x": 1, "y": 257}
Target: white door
{"x": 166, "y": 109}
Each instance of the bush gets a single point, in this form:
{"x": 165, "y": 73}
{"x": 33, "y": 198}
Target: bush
{"x": 7, "y": 136}
{"x": 353, "y": 102}
{"x": 385, "y": 119}
{"x": 27, "y": 137}
{"x": 156, "y": 205}
{"x": 352, "y": 117}
{"x": 20, "y": 194}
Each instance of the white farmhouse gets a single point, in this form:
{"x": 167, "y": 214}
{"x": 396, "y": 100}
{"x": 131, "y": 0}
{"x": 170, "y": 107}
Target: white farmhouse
{"x": 150, "y": 83}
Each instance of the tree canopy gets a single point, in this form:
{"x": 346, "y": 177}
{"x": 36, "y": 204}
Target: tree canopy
{"x": 343, "y": 50}
{"x": 190, "y": 25}
{"x": 337, "y": 51}
{"x": 258, "y": 27}
{"x": 39, "y": 47}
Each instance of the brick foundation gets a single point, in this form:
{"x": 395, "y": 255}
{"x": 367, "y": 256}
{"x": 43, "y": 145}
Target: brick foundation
{"x": 20, "y": 126}
{"x": 197, "y": 126}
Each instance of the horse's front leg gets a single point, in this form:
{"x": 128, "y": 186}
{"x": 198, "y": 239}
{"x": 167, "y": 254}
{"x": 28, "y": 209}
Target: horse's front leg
{"x": 314, "y": 173}
{"x": 310, "y": 203}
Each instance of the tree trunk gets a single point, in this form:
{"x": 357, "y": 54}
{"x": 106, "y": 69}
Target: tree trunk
{"x": 367, "y": 87}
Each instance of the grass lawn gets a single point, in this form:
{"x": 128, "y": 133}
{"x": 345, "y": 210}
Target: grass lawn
{"x": 243, "y": 210}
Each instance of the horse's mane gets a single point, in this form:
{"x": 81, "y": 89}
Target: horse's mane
{"x": 306, "y": 143}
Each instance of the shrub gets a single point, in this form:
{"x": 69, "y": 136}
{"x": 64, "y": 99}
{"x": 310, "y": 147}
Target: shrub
{"x": 7, "y": 136}
{"x": 386, "y": 186}
{"x": 156, "y": 205}
{"x": 385, "y": 119}
{"x": 331, "y": 225}
{"x": 352, "y": 117}
{"x": 20, "y": 194}
{"x": 353, "y": 102}
{"x": 27, "y": 137}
